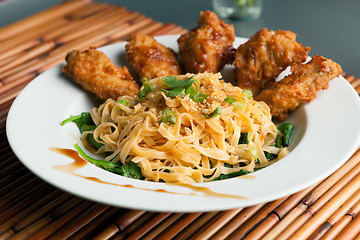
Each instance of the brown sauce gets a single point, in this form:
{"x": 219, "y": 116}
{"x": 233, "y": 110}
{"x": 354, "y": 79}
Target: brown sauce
{"x": 79, "y": 162}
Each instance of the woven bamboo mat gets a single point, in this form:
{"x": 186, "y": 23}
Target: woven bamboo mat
{"x": 32, "y": 209}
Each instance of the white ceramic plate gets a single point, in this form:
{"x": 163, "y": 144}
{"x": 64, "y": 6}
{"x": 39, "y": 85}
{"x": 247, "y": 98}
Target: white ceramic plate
{"x": 326, "y": 134}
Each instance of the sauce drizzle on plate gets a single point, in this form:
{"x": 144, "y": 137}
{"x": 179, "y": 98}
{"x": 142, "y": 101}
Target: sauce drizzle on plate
{"x": 79, "y": 162}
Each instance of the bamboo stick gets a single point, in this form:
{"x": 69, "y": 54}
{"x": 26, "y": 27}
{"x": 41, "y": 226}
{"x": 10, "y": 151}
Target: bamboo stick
{"x": 355, "y": 82}
{"x": 196, "y": 224}
{"x": 15, "y": 194}
{"x": 132, "y": 228}
{"x": 10, "y": 222}
{"x": 78, "y": 29}
{"x": 63, "y": 35}
{"x": 339, "y": 225}
{"x": 41, "y": 30}
{"x": 256, "y": 219}
{"x": 337, "y": 216}
{"x": 73, "y": 226}
{"x": 332, "y": 179}
{"x": 172, "y": 230}
{"x": 41, "y": 212}
{"x": 36, "y": 19}
{"x": 43, "y": 222}
{"x": 98, "y": 224}
{"x": 218, "y": 224}
{"x": 293, "y": 223}
{"x": 36, "y": 36}
{"x": 292, "y": 201}
{"x": 123, "y": 221}
{"x": 286, "y": 211}
{"x": 119, "y": 224}
{"x": 57, "y": 56}
{"x": 351, "y": 230}
{"x": 107, "y": 233}
{"x": 263, "y": 227}
{"x": 160, "y": 228}
{"x": 16, "y": 206}
{"x": 334, "y": 203}
{"x": 53, "y": 227}
{"x": 237, "y": 221}
{"x": 147, "y": 226}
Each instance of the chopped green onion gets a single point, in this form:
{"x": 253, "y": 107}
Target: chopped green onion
{"x": 214, "y": 113}
{"x": 147, "y": 89}
{"x": 168, "y": 116}
{"x": 230, "y": 100}
{"x": 252, "y": 151}
{"x": 248, "y": 93}
{"x": 238, "y": 105}
{"x": 123, "y": 102}
{"x": 287, "y": 130}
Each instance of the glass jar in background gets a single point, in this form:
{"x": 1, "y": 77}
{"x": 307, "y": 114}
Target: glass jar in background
{"x": 239, "y": 9}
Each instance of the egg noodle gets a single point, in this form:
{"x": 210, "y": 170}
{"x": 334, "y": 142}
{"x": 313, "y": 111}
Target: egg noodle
{"x": 200, "y": 143}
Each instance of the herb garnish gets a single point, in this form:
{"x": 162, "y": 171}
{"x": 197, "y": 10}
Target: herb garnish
{"x": 177, "y": 87}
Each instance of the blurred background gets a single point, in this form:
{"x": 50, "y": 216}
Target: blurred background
{"x": 329, "y": 27}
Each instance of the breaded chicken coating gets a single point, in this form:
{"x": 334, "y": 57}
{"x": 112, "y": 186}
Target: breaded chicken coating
{"x": 264, "y": 56}
{"x": 301, "y": 85}
{"x": 150, "y": 58}
{"x": 209, "y": 46}
{"x": 94, "y": 71}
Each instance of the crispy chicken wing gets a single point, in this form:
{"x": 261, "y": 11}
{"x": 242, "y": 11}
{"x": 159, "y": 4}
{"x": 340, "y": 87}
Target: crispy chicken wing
{"x": 94, "y": 71}
{"x": 264, "y": 56}
{"x": 207, "y": 47}
{"x": 151, "y": 59}
{"x": 301, "y": 85}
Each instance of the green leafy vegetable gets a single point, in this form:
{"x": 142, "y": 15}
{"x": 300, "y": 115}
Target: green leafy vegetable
{"x": 83, "y": 121}
{"x": 243, "y": 138}
{"x": 214, "y": 113}
{"x": 168, "y": 116}
{"x": 148, "y": 87}
{"x": 287, "y": 130}
{"x": 269, "y": 156}
{"x": 231, "y": 175}
{"x": 131, "y": 170}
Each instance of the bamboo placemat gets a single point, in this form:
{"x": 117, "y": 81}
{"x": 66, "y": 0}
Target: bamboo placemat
{"x": 32, "y": 209}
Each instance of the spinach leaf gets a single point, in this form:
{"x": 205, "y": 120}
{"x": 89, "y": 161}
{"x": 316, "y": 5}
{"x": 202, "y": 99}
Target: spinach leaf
{"x": 130, "y": 170}
{"x": 287, "y": 130}
{"x": 231, "y": 175}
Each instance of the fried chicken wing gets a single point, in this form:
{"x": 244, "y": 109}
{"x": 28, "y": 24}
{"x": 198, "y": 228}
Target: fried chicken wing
{"x": 264, "y": 56}
{"x": 207, "y": 47}
{"x": 301, "y": 85}
{"x": 151, "y": 59}
{"x": 94, "y": 71}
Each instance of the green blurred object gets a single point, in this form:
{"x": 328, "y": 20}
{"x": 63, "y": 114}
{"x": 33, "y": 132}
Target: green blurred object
{"x": 238, "y": 9}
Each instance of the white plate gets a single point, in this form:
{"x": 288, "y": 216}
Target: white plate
{"x": 326, "y": 134}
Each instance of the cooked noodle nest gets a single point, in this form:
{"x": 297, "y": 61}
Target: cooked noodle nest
{"x": 195, "y": 148}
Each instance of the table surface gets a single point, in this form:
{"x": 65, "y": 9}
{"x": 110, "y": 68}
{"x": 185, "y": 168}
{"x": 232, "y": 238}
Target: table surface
{"x": 330, "y": 28}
